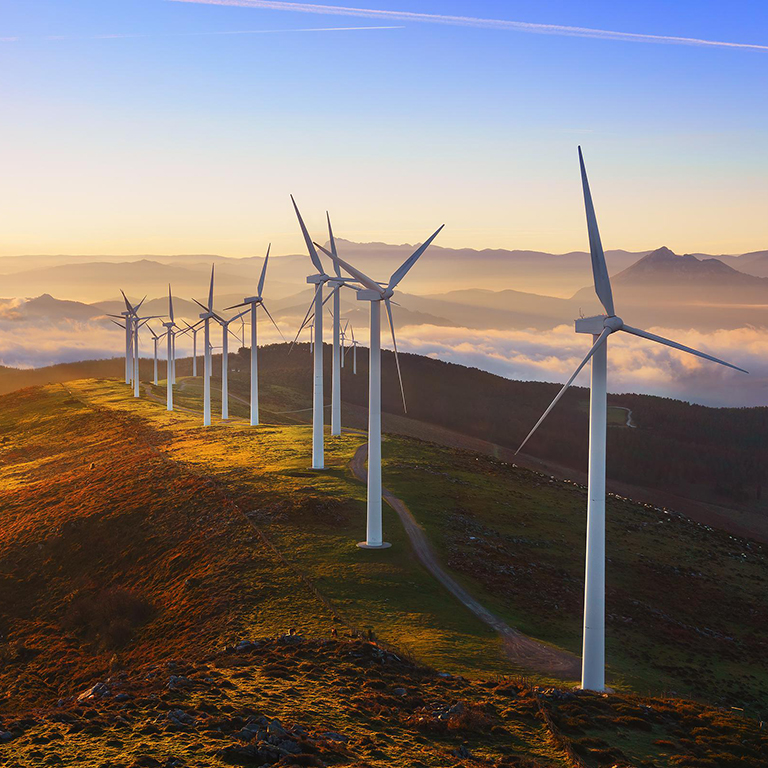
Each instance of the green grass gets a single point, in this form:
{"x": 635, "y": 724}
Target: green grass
{"x": 685, "y": 604}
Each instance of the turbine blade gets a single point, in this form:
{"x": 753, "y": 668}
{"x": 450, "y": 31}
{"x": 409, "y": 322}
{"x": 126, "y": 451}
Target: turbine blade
{"x": 397, "y": 359}
{"x": 306, "y": 318}
{"x": 264, "y": 271}
{"x": 170, "y": 303}
{"x": 236, "y": 306}
{"x": 273, "y": 320}
{"x": 356, "y": 273}
{"x": 127, "y": 303}
{"x": 600, "y": 340}
{"x": 332, "y": 241}
{"x": 308, "y": 240}
{"x": 138, "y": 306}
{"x": 661, "y": 340}
{"x": 210, "y": 291}
{"x": 116, "y": 323}
{"x": 401, "y": 272}
{"x": 199, "y": 304}
{"x": 599, "y": 268}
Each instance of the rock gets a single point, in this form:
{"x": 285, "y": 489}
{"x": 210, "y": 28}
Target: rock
{"x": 400, "y": 692}
{"x": 122, "y": 697}
{"x": 276, "y": 729}
{"x": 462, "y": 752}
{"x": 178, "y": 682}
{"x": 5, "y": 735}
{"x": 180, "y": 717}
{"x": 333, "y": 736}
{"x": 97, "y": 691}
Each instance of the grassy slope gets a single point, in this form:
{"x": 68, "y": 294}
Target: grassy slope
{"x": 106, "y": 498}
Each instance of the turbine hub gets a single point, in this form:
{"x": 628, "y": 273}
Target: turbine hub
{"x": 613, "y": 322}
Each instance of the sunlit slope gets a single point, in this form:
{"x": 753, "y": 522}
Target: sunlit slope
{"x": 138, "y": 545}
{"x": 116, "y": 508}
{"x": 682, "y": 597}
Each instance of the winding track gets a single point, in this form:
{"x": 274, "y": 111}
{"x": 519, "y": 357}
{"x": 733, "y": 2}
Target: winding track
{"x": 521, "y": 649}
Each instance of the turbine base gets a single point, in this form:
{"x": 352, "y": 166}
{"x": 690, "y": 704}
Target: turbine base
{"x": 365, "y": 545}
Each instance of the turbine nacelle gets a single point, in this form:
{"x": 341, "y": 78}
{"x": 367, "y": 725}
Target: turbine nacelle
{"x": 596, "y": 325}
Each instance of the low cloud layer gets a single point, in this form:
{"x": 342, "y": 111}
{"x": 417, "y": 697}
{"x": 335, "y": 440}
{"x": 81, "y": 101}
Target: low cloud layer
{"x": 635, "y": 365}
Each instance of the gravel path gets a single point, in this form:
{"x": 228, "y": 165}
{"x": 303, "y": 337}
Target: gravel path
{"x": 521, "y": 649}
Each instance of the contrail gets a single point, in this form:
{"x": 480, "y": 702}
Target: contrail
{"x": 470, "y": 21}
{"x": 195, "y": 34}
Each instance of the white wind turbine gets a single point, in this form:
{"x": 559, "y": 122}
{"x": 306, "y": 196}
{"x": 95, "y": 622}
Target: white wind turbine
{"x": 335, "y": 283}
{"x": 343, "y": 334}
{"x": 225, "y": 331}
{"x": 170, "y": 373}
{"x": 193, "y": 329}
{"x": 600, "y": 327}
{"x": 354, "y": 351}
{"x": 375, "y": 293}
{"x": 254, "y": 302}
{"x": 318, "y": 280}
{"x": 138, "y": 323}
{"x": 206, "y": 318}
{"x": 128, "y": 316}
{"x": 155, "y": 339}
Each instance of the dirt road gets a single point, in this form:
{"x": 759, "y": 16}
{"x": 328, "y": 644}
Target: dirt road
{"x": 521, "y": 649}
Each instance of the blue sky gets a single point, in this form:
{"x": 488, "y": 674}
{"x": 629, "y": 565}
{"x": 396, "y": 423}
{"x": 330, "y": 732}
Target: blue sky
{"x": 180, "y": 140}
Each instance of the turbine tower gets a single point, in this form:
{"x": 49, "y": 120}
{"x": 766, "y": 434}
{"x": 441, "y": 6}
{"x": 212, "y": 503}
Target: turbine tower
{"x": 155, "y": 339}
{"x": 318, "y": 280}
{"x": 193, "y": 329}
{"x": 171, "y": 364}
{"x": 354, "y": 351}
{"x": 206, "y": 318}
{"x": 375, "y": 294}
{"x": 335, "y": 286}
{"x": 254, "y": 302}
{"x": 600, "y": 328}
{"x": 225, "y": 331}
{"x": 129, "y": 316}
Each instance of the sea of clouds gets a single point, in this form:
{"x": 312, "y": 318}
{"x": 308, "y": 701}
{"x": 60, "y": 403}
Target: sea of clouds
{"x": 635, "y": 365}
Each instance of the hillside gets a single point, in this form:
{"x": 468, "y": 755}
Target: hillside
{"x": 709, "y": 462}
{"x": 201, "y": 593}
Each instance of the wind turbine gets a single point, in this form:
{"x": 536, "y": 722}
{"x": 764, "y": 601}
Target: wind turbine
{"x": 206, "y": 318}
{"x": 138, "y": 323}
{"x": 155, "y": 339}
{"x": 318, "y": 280}
{"x": 375, "y": 294}
{"x": 354, "y": 351}
{"x": 170, "y": 374}
{"x": 225, "y": 331}
{"x": 335, "y": 286}
{"x": 193, "y": 329}
{"x": 343, "y": 342}
{"x": 600, "y": 327}
{"x": 129, "y": 316}
{"x": 254, "y": 302}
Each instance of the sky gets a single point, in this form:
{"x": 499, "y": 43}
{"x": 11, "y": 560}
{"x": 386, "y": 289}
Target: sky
{"x": 161, "y": 126}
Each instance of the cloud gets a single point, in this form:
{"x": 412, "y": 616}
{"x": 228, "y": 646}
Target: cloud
{"x": 470, "y": 21}
{"x": 34, "y": 344}
{"x": 118, "y": 36}
{"x": 635, "y": 365}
